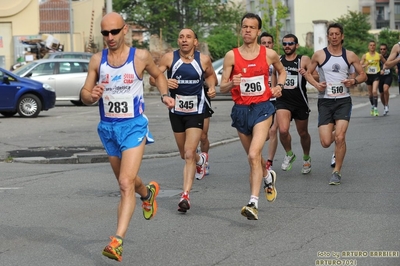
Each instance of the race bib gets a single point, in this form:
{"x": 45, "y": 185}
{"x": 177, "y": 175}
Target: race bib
{"x": 253, "y": 86}
{"x": 118, "y": 106}
{"x": 336, "y": 89}
{"x": 291, "y": 82}
{"x": 372, "y": 70}
{"x": 186, "y": 104}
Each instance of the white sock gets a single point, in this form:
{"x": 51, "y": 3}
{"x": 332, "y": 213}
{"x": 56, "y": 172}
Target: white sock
{"x": 254, "y": 199}
{"x": 268, "y": 178}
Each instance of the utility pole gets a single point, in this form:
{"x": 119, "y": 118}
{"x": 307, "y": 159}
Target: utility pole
{"x": 71, "y": 26}
{"x": 109, "y": 6}
{"x": 391, "y": 15}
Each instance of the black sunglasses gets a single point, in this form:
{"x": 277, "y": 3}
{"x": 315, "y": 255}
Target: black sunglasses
{"x": 113, "y": 32}
{"x": 288, "y": 43}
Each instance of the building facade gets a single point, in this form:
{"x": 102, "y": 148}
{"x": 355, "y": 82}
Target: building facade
{"x": 302, "y": 13}
{"x": 21, "y": 21}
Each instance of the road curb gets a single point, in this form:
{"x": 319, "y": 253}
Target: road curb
{"x": 86, "y": 158}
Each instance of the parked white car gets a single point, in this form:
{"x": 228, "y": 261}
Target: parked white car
{"x": 65, "y": 75}
{"x": 218, "y": 67}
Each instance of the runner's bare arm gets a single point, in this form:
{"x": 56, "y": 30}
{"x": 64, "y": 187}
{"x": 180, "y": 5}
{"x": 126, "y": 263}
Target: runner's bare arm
{"x": 89, "y": 93}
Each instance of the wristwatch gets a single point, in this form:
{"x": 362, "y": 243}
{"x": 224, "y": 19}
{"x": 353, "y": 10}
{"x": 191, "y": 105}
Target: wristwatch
{"x": 280, "y": 85}
{"x": 162, "y": 97}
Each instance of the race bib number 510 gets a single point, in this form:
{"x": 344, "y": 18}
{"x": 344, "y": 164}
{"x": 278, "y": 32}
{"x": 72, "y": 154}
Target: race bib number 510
{"x": 335, "y": 90}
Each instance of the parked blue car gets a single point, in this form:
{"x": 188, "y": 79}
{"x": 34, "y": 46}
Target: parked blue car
{"x": 24, "y": 96}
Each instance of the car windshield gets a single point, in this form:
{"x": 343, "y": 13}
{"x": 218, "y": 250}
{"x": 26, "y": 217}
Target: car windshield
{"x": 25, "y": 68}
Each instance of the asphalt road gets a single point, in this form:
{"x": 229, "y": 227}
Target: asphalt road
{"x": 62, "y": 214}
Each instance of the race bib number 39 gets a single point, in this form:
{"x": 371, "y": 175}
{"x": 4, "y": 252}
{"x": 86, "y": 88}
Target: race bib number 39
{"x": 291, "y": 82}
{"x": 118, "y": 106}
{"x": 186, "y": 103}
{"x": 253, "y": 86}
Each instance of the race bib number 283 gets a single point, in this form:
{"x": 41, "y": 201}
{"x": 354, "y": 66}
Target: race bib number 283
{"x": 118, "y": 106}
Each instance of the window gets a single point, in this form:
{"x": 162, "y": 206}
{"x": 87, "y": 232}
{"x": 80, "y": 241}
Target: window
{"x": 366, "y": 10}
{"x": 43, "y": 69}
{"x": 73, "y": 67}
{"x": 380, "y": 13}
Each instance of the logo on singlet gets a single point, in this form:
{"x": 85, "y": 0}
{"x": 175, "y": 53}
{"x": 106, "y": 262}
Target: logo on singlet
{"x": 105, "y": 78}
{"x": 128, "y": 78}
{"x": 335, "y": 68}
{"x": 116, "y": 78}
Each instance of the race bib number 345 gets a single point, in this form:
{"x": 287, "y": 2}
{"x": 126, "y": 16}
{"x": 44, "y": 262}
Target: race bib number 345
{"x": 118, "y": 106}
{"x": 186, "y": 103}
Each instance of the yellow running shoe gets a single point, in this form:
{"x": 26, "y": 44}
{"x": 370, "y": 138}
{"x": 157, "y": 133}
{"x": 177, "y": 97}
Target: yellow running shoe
{"x": 269, "y": 189}
{"x": 114, "y": 249}
{"x": 250, "y": 211}
{"x": 149, "y": 206}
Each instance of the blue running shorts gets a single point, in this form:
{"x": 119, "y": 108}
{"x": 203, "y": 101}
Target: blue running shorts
{"x": 120, "y": 136}
{"x": 245, "y": 117}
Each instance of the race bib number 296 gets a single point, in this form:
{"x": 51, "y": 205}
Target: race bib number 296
{"x": 253, "y": 86}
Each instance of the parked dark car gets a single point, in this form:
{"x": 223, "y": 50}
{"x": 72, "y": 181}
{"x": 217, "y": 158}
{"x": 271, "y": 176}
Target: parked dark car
{"x": 24, "y": 96}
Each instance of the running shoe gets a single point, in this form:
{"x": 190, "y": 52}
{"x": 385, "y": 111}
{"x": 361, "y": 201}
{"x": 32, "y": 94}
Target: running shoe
{"x": 372, "y": 111}
{"x": 184, "y": 203}
{"x": 376, "y": 113}
{"x": 287, "y": 162}
{"x": 250, "y": 211}
{"x": 268, "y": 165}
{"x": 385, "y": 110}
{"x": 306, "y": 166}
{"x": 207, "y": 168}
{"x": 335, "y": 179}
{"x": 114, "y": 249}
{"x": 201, "y": 169}
{"x": 269, "y": 188}
{"x": 333, "y": 161}
{"x": 149, "y": 206}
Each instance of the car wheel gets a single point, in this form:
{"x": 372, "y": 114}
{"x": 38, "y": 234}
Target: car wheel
{"x": 29, "y": 105}
{"x": 77, "y": 103}
{"x": 8, "y": 114}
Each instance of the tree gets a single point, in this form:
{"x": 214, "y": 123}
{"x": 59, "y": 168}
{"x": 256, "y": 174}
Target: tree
{"x": 220, "y": 41}
{"x": 389, "y": 37}
{"x": 279, "y": 12}
{"x": 356, "y": 27}
{"x": 170, "y": 16}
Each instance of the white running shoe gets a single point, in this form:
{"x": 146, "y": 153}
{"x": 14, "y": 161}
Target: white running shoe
{"x": 333, "y": 161}
{"x": 287, "y": 162}
{"x": 386, "y": 110}
{"x": 201, "y": 169}
{"x": 306, "y": 166}
{"x": 207, "y": 168}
